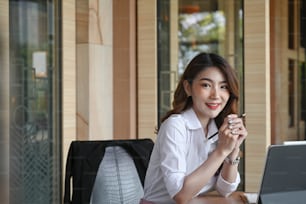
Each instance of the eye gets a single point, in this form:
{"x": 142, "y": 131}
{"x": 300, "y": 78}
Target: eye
{"x": 205, "y": 85}
{"x": 224, "y": 86}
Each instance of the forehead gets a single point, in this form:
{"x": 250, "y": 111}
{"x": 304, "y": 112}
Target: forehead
{"x": 211, "y": 73}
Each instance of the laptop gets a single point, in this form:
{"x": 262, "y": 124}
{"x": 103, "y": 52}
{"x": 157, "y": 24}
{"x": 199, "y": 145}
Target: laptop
{"x": 284, "y": 176}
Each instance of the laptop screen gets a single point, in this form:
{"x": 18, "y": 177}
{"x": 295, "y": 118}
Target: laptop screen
{"x": 284, "y": 178}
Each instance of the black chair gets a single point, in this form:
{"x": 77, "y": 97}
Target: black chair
{"x": 111, "y": 171}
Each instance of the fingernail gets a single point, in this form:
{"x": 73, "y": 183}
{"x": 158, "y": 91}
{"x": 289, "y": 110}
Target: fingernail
{"x": 233, "y": 132}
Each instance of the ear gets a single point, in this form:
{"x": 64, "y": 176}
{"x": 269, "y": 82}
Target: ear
{"x": 187, "y": 87}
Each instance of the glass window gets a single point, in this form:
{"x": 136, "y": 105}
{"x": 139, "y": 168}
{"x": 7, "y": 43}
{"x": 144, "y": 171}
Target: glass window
{"x": 303, "y": 101}
{"x": 199, "y": 26}
{"x": 187, "y": 27}
{"x": 302, "y": 73}
{"x": 35, "y": 174}
{"x": 291, "y": 19}
{"x": 294, "y": 53}
{"x": 291, "y": 92}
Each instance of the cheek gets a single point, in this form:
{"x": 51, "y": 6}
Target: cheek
{"x": 226, "y": 96}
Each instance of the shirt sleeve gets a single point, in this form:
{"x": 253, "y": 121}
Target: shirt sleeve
{"x": 173, "y": 155}
{"x": 225, "y": 188}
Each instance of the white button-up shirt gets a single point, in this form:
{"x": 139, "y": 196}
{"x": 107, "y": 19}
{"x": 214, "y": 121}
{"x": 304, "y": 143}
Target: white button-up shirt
{"x": 180, "y": 148}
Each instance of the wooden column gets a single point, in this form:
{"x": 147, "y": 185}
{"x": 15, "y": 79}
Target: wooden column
{"x": 94, "y": 69}
{"x": 124, "y": 69}
{"x": 147, "y": 67}
{"x": 257, "y": 89}
{"x": 4, "y": 101}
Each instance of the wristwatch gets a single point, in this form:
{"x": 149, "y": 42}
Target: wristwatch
{"x": 232, "y": 162}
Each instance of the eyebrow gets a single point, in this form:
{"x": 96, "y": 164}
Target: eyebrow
{"x": 208, "y": 79}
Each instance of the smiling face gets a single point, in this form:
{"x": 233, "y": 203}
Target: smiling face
{"x": 209, "y": 92}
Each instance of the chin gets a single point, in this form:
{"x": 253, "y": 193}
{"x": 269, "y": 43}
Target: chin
{"x": 215, "y": 114}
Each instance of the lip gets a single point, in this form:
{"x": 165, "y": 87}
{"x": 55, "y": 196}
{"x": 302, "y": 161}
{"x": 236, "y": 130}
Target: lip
{"x": 213, "y": 106}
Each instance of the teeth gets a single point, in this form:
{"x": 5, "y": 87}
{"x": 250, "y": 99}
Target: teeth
{"x": 212, "y": 104}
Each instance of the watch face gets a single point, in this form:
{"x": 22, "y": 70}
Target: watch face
{"x": 233, "y": 162}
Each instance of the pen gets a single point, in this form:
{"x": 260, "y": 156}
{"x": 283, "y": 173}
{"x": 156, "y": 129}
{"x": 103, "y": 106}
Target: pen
{"x": 242, "y": 116}
{"x": 213, "y": 135}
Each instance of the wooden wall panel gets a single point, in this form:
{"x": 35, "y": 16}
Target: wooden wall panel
{"x": 147, "y": 68}
{"x": 124, "y": 69}
{"x": 82, "y": 69}
{"x": 69, "y": 75}
{"x": 100, "y": 69}
{"x": 257, "y": 89}
{"x": 94, "y": 63}
{"x": 4, "y": 100}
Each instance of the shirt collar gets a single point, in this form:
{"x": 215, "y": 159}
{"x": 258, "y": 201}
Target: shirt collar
{"x": 192, "y": 122}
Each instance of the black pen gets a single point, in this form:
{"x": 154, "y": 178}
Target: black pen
{"x": 213, "y": 135}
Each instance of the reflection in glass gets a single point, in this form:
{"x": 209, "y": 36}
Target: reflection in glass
{"x": 202, "y": 26}
{"x": 199, "y": 32}
{"x": 34, "y": 156}
{"x": 303, "y": 101}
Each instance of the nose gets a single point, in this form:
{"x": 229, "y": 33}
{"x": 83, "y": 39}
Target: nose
{"x": 215, "y": 92}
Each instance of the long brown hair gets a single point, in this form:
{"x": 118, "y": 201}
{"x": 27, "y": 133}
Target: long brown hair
{"x": 182, "y": 102}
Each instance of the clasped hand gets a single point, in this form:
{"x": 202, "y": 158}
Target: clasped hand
{"x": 231, "y": 134}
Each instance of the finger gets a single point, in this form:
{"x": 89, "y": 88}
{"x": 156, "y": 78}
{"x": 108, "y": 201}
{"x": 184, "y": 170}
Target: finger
{"x": 224, "y": 125}
{"x": 237, "y": 126}
{"x": 230, "y": 119}
{"x": 235, "y": 121}
{"x": 232, "y": 135}
{"x": 229, "y": 122}
{"x": 235, "y": 131}
{"x": 240, "y": 140}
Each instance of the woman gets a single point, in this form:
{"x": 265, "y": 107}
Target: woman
{"x": 197, "y": 147}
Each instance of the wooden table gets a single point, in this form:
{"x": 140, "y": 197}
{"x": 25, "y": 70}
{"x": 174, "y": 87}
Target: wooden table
{"x": 235, "y": 198}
